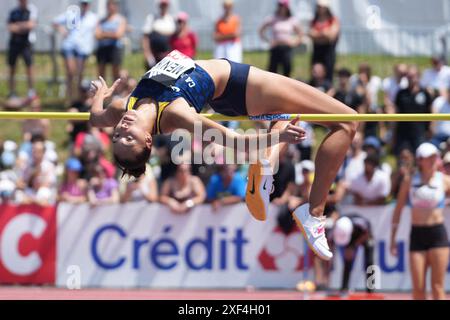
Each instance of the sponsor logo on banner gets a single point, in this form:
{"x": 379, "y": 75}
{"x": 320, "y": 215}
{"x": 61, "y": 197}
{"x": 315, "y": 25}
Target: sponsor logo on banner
{"x": 285, "y": 252}
{"x": 27, "y": 244}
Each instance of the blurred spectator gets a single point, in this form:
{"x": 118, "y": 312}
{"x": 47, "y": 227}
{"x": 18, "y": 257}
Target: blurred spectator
{"x": 405, "y": 167}
{"x": 319, "y": 79}
{"x": 109, "y": 33}
{"x": 371, "y": 187}
{"x": 414, "y": 99}
{"x": 95, "y": 137}
{"x": 346, "y": 94}
{"x": 227, "y": 34}
{"x": 184, "y": 40}
{"x": 372, "y": 145}
{"x": 102, "y": 190}
{"x": 36, "y": 190}
{"x": 157, "y": 31}
{"x": 30, "y": 153}
{"x": 286, "y": 35}
{"x": 436, "y": 79}
{"x": 305, "y": 147}
{"x": 145, "y": 188}
{"x": 78, "y": 31}
{"x": 227, "y": 187}
{"x": 184, "y": 191}
{"x": 21, "y": 23}
{"x": 351, "y": 232}
{"x": 73, "y": 189}
{"x": 441, "y": 129}
{"x": 8, "y": 176}
{"x": 368, "y": 86}
{"x": 32, "y": 127}
{"x": 392, "y": 85}
{"x": 82, "y": 104}
{"x": 325, "y": 29}
{"x": 354, "y": 163}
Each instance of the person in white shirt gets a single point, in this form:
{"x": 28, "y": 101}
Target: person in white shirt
{"x": 372, "y": 186}
{"x": 157, "y": 31}
{"x": 437, "y": 78}
{"x": 441, "y": 129}
{"x": 77, "y": 25}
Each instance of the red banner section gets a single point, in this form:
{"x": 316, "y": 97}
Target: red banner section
{"x": 27, "y": 244}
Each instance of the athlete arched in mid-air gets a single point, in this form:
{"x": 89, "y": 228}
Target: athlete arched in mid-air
{"x": 171, "y": 95}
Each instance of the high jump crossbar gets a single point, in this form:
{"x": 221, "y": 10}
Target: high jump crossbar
{"x": 84, "y": 116}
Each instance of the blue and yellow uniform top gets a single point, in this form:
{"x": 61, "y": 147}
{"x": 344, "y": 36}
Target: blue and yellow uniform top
{"x": 195, "y": 86}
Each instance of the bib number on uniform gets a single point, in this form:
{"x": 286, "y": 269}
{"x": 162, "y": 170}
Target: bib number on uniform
{"x": 171, "y": 68}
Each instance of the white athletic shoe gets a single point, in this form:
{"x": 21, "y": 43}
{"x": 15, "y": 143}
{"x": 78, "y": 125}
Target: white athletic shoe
{"x": 313, "y": 230}
{"x": 259, "y": 188}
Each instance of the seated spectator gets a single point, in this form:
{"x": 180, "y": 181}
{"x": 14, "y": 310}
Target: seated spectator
{"x": 73, "y": 189}
{"x": 8, "y": 176}
{"x": 37, "y": 167}
{"x": 354, "y": 162}
{"x": 226, "y": 187}
{"x": 372, "y": 187}
{"x": 91, "y": 136}
{"x": 32, "y": 127}
{"x": 183, "y": 191}
{"x": 36, "y": 190}
{"x": 109, "y": 33}
{"x": 346, "y": 94}
{"x": 441, "y": 129}
{"x": 157, "y": 31}
{"x": 435, "y": 80}
{"x": 446, "y": 163}
{"x": 184, "y": 40}
{"x": 102, "y": 190}
{"x": 145, "y": 188}
{"x": 413, "y": 99}
{"x": 405, "y": 167}
{"x": 319, "y": 78}
{"x": 392, "y": 85}
{"x": 372, "y": 145}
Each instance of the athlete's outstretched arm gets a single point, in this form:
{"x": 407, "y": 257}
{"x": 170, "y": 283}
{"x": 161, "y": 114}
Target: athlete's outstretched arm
{"x": 181, "y": 116}
{"x": 402, "y": 198}
{"x": 110, "y": 116}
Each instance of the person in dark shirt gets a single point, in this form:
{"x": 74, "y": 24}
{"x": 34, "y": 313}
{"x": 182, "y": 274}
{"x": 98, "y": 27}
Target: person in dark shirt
{"x": 413, "y": 99}
{"x": 345, "y": 94}
{"x": 350, "y": 232}
{"x": 21, "y": 22}
{"x": 319, "y": 78}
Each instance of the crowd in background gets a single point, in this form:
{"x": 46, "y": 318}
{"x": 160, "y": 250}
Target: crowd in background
{"x": 32, "y": 172}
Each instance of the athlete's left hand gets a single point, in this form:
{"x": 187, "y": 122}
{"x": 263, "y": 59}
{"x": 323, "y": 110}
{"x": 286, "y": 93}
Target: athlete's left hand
{"x": 293, "y": 133}
{"x": 101, "y": 90}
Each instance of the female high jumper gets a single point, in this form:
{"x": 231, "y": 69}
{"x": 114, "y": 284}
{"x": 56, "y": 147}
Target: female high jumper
{"x": 171, "y": 95}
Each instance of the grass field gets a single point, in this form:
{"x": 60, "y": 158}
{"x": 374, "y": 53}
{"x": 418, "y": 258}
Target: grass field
{"x": 382, "y": 66}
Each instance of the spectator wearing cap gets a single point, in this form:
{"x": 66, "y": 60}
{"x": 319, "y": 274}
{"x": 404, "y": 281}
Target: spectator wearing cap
{"x": 441, "y": 129}
{"x": 110, "y": 33}
{"x": 436, "y": 79}
{"x": 372, "y": 186}
{"x": 414, "y": 99}
{"x": 143, "y": 189}
{"x": 22, "y": 21}
{"x": 73, "y": 189}
{"x": 346, "y": 94}
{"x": 324, "y": 33}
{"x": 372, "y": 145}
{"x": 157, "y": 31}
{"x": 184, "y": 40}
{"x": 227, "y": 34}
{"x": 78, "y": 31}
{"x": 183, "y": 191}
{"x": 226, "y": 187}
{"x": 286, "y": 35}
{"x": 352, "y": 232}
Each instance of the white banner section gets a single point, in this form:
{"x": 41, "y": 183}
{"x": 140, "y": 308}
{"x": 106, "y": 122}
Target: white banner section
{"x": 145, "y": 245}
